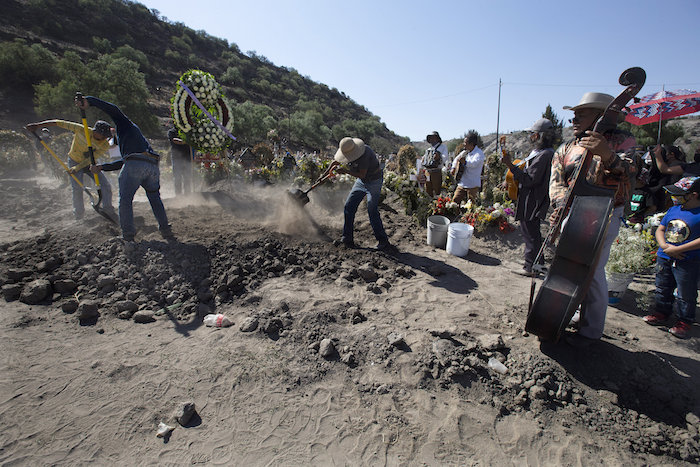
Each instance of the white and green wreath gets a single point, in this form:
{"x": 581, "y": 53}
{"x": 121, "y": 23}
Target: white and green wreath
{"x": 193, "y": 124}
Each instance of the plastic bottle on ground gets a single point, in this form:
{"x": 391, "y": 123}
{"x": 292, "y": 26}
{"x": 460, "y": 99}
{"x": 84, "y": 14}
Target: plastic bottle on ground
{"x": 217, "y": 321}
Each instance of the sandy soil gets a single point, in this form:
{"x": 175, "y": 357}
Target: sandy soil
{"x": 346, "y": 357}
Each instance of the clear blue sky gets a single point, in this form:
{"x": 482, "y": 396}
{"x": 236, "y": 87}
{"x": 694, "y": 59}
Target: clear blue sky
{"x": 422, "y": 66}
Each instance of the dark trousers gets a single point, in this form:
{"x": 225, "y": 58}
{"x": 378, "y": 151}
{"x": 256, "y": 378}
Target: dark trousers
{"x": 681, "y": 275}
{"x": 533, "y": 241}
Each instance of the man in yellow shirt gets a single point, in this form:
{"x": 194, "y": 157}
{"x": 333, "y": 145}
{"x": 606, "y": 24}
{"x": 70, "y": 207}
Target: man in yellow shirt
{"x": 79, "y": 158}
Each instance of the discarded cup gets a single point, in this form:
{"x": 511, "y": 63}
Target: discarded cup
{"x": 497, "y": 366}
{"x": 217, "y": 321}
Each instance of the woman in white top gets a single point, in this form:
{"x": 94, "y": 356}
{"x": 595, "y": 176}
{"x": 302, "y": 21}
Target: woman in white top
{"x": 466, "y": 168}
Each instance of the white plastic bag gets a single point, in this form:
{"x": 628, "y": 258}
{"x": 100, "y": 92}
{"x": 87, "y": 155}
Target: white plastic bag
{"x": 217, "y": 321}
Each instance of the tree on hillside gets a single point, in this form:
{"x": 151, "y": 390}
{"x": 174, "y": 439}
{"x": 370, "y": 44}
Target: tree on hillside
{"x": 252, "y": 122}
{"x": 22, "y": 65}
{"x": 646, "y": 135}
{"x": 307, "y": 128}
{"x": 558, "y": 124}
{"x": 110, "y": 77}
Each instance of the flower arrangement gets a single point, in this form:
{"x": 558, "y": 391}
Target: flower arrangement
{"x": 214, "y": 170}
{"x": 652, "y": 222}
{"x": 482, "y": 217}
{"x": 633, "y": 251}
{"x": 444, "y": 206}
{"x": 193, "y": 125}
{"x": 416, "y": 202}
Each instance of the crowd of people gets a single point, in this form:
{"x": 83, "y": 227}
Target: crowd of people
{"x": 639, "y": 184}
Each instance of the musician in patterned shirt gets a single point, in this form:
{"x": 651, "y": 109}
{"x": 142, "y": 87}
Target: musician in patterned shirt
{"x": 606, "y": 170}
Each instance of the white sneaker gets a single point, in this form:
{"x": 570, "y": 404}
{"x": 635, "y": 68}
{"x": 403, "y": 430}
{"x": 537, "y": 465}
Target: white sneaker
{"x": 575, "y": 319}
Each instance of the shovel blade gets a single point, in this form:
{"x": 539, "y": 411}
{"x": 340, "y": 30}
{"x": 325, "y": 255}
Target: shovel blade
{"x": 107, "y": 215}
{"x": 298, "y": 196}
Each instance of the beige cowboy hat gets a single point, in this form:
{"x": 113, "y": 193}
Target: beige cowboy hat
{"x": 349, "y": 150}
{"x": 592, "y": 100}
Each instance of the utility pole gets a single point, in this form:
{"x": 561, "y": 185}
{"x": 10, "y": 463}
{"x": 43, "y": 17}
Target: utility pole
{"x": 498, "y": 116}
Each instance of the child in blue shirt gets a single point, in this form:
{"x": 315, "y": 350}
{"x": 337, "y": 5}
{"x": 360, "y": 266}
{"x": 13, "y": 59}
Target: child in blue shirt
{"x": 678, "y": 257}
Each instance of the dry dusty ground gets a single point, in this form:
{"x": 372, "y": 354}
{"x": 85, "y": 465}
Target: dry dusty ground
{"x": 406, "y": 339}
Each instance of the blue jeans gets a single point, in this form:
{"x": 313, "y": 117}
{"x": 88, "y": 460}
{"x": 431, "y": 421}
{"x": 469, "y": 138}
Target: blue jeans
{"x": 372, "y": 189}
{"x": 135, "y": 174}
{"x": 78, "y": 204}
{"x": 683, "y": 275}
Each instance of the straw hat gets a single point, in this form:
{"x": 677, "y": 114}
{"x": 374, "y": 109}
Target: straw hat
{"x": 349, "y": 150}
{"x": 592, "y": 100}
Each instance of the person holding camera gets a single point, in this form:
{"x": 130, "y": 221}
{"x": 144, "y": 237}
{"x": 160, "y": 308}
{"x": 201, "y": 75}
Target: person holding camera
{"x": 433, "y": 160}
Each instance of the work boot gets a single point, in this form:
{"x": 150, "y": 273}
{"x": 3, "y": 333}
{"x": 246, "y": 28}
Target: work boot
{"x": 344, "y": 243}
{"x": 386, "y": 247}
{"x": 167, "y": 233}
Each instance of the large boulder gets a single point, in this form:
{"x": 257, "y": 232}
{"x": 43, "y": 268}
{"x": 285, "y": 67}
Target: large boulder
{"x": 36, "y": 292}
{"x": 11, "y": 291}
{"x": 88, "y": 309}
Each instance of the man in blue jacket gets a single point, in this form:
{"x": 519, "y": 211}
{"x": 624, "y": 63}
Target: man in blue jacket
{"x": 139, "y": 168}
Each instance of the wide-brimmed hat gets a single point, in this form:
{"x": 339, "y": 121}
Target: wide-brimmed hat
{"x": 592, "y": 100}
{"x": 349, "y": 150}
{"x": 434, "y": 134}
{"x": 684, "y": 186}
{"x": 541, "y": 125}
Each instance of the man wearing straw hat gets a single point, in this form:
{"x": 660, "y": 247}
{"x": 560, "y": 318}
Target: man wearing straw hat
{"x": 355, "y": 158}
{"x": 607, "y": 170}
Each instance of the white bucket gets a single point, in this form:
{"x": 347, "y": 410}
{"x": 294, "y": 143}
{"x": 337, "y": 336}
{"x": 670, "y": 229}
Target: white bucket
{"x": 617, "y": 285}
{"x": 437, "y": 231}
{"x": 458, "y": 238}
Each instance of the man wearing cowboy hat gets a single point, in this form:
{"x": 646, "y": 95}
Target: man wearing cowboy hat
{"x": 355, "y": 158}
{"x": 433, "y": 160}
{"x": 606, "y": 170}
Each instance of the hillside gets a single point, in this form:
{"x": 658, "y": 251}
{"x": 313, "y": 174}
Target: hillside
{"x": 163, "y": 51}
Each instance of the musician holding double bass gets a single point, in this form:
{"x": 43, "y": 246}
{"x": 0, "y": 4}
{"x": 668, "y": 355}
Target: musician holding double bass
{"x": 533, "y": 189}
{"x": 606, "y": 170}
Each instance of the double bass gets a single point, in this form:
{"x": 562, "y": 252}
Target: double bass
{"x": 590, "y": 209}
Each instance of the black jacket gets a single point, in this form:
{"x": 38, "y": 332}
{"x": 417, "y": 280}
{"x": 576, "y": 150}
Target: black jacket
{"x": 533, "y": 190}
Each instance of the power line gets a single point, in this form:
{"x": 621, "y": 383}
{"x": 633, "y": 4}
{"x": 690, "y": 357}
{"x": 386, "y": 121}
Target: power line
{"x": 594, "y": 85}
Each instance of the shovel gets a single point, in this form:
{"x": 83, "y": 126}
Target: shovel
{"x": 79, "y": 96}
{"x": 95, "y": 205}
{"x": 302, "y": 197}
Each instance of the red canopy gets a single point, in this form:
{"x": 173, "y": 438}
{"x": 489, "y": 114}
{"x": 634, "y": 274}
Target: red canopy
{"x": 664, "y": 105}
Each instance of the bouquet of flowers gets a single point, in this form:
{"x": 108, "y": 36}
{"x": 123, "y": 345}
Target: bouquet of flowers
{"x": 193, "y": 124}
{"x": 633, "y": 251}
{"x": 482, "y": 217}
{"x": 444, "y": 206}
